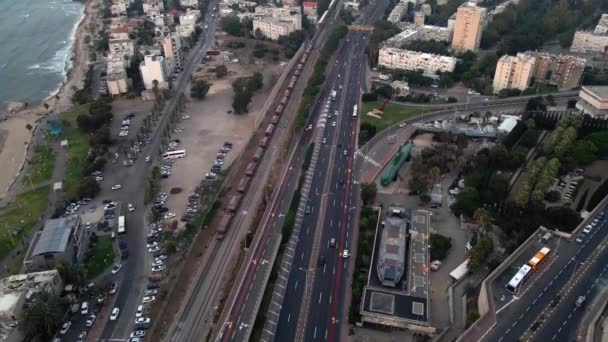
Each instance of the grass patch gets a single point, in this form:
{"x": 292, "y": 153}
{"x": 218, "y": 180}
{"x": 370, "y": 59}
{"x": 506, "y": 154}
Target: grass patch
{"x": 102, "y": 257}
{"x": 20, "y": 217}
{"x": 77, "y": 151}
{"x": 40, "y": 168}
{"x": 392, "y": 114}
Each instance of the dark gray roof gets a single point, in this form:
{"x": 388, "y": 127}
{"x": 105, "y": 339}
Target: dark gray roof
{"x": 54, "y": 237}
{"x": 391, "y": 253}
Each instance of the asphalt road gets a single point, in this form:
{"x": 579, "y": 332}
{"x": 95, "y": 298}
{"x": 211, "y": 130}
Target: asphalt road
{"x": 548, "y": 305}
{"x": 133, "y": 277}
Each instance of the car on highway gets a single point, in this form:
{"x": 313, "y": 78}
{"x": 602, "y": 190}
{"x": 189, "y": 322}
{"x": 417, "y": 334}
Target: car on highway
{"x": 345, "y": 254}
{"x": 116, "y": 268}
{"x": 114, "y": 315}
{"x": 345, "y": 152}
{"x": 321, "y": 261}
{"x": 587, "y": 229}
{"x": 333, "y": 124}
{"x": 580, "y": 301}
{"x": 112, "y": 288}
{"x": 140, "y": 311}
{"x": 116, "y": 187}
{"x": 324, "y": 140}
{"x": 148, "y": 299}
{"x": 65, "y": 327}
{"x": 131, "y": 207}
{"x": 308, "y": 210}
{"x": 90, "y": 320}
{"x": 332, "y": 242}
{"x": 580, "y": 238}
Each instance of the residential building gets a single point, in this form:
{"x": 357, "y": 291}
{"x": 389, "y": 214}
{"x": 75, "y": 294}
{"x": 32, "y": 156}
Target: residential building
{"x": 291, "y": 14}
{"x": 602, "y": 25}
{"x": 419, "y": 19}
{"x": 514, "y": 72}
{"x": 437, "y": 33}
{"x": 152, "y": 69}
{"x": 122, "y": 47}
{"x": 189, "y": 3}
{"x": 468, "y": 27}
{"x": 442, "y": 2}
{"x": 393, "y": 58}
{"x": 172, "y": 50}
{"x": 310, "y": 11}
{"x": 590, "y": 42}
{"x": 60, "y": 240}
{"x": 593, "y": 100}
{"x": 190, "y": 17}
{"x": 398, "y": 12}
{"x": 153, "y": 7}
{"x": 452, "y": 21}
{"x": 417, "y": 2}
{"x": 116, "y": 78}
{"x": 400, "y": 39}
{"x": 118, "y": 8}
{"x": 16, "y": 294}
{"x": 564, "y": 71}
{"x": 274, "y": 22}
{"x": 426, "y": 9}
{"x": 391, "y": 253}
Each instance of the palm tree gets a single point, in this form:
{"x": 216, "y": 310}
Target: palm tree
{"x": 43, "y": 316}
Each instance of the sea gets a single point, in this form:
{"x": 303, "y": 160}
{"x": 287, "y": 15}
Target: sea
{"x": 36, "y": 38}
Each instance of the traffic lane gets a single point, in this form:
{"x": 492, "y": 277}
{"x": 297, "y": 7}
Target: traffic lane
{"x": 511, "y": 322}
{"x": 564, "y": 321}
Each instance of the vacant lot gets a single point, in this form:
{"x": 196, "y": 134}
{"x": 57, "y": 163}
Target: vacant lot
{"x": 18, "y": 219}
{"x": 392, "y": 114}
{"x": 77, "y": 151}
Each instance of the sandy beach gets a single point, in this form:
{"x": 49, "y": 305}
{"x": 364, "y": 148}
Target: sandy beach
{"x": 14, "y": 136}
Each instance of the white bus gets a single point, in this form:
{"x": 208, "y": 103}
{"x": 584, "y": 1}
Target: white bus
{"x": 355, "y": 109}
{"x": 174, "y": 154}
{"x": 121, "y": 226}
{"x": 520, "y": 277}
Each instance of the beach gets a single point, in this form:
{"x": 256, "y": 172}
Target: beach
{"x": 14, "y": 136}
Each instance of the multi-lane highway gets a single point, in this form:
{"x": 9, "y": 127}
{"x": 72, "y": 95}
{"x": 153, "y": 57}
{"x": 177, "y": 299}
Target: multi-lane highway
{"x": 547, "y": 311}
{"x": 133, "y": 277}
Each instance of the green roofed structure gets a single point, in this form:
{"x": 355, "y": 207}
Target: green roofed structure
{"x": 390, "y": 172}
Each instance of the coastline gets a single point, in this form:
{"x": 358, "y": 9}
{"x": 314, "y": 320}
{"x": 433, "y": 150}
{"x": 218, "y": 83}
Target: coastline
{"x": 13, "y": 157}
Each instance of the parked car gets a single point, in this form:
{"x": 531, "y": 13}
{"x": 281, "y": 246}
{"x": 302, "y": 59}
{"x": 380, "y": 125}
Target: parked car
{"x": 90, "y": 321}
{"x": 148, "y": 299}
{"x": 65, "y": 327}
{"x": 114, "y": 314}
{"x": 116, "y": 187}
{"x": 116, "y": 268}
{"x": 113, "y": 287}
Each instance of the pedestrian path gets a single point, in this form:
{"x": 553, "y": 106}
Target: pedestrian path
{"x": 367, "y": 158}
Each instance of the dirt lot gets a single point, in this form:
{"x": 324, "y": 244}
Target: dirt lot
{"x": 212, "y": 123}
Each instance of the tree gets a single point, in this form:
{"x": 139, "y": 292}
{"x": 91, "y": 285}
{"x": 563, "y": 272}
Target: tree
{"x": 536, "y": 104}
{"x": 72, "y": 273}
{"x": 572, "y": 104}
{"x": 479, "y": 253}
{"x": 258, "y": 34}
{"x": 199, "y": 89}
{"x": 42, "y": 318}
{"x": 368, "y": 192}
{"x": 584, "y": 151}
{"x": 87, "y": 187}
{"x": 440, "y": 246}
{"x": 484, "y": 218}
{"x": 241, "y": 101}
{"x": 600, "y": 140}
{"x": 221, "y": 71}
{"x": 467, "y": 201}
{"x": 231, "y": 24}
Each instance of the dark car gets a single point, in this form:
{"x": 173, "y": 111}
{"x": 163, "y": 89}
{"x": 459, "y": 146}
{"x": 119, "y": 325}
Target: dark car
{"x": 321, "y": 261}
{"x": 153, "y": 286}
{"x": 124, "y": 255}
{"x": 122, "y": 244}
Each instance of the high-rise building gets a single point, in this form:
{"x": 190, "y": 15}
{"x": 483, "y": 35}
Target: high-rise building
{"x": 419, "y": 18}
{"x": 152, "y": 69}
{"x": 426, "y": 9}
{"x": 467, "y": 27}
{"x": 172, "y": 50}
{"x": 514, "y": 72}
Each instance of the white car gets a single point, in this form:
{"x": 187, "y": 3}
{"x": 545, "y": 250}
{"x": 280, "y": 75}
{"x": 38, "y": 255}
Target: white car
{"x": 333, "y": 124}
{"x": 403, "y": 124}
{"x": 153, "y": 244}
{"x": 114, "y": 314}
{"x": 65, "y": 327}
{"x": 154, "y": 249}
{"x": 148, "y": 159}
{"x": 138, "y": 333}
{"x": 150, "y": 293}
{"x": 148, "y": 299}
{"x": 324, "y": 140}
{"x": 345, "y": 254}
{"x": 161, "y": 257}
{"x": 157, "y": 262}
{"x": 169, "y": 216}
{"x": 87, "y": 225}
{"x": 116, "y": 187}
{"x": 185, "y": 117}
{"x": 157, "y": 269}
{"x": 113, "y": 288}
{"x": 131, "y": 207}
{"x": 140, "y": 311}
{"x": 587, "y": 229}
{"x": 91, "y": 320}
{"x": 116, "y": 268}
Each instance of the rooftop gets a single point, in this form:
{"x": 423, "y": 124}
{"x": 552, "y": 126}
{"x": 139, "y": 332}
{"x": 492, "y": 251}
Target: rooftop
{"x": 54, "y": 236}
{"x": 598, "y": 91}
{"x": 391, "y": 256}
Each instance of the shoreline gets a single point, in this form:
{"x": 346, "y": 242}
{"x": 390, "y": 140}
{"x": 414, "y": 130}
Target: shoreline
{"x": 34, "y": 113}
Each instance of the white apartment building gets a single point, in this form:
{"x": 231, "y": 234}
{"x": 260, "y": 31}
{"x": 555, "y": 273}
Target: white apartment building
{"x": 122, "y": 47}
{"x": 293, "y": 14}
{"x": 398, "y": 12}
{"x": 274, "y": 22}
{"x": 514, "y": 72}
{"x": 190, "y": 17}
{"x": 602, "y": 25}
{"x": 401, "y": 38}
{"x": 152, "y": 69}
{"x": 589, "y": 42}
{"x": 172, "y": 50}
{"x": 189, "y": 3}
{"x": 116, "y": 78}
{"x": 393, "y": 58}
{"x": 153, "y": 7}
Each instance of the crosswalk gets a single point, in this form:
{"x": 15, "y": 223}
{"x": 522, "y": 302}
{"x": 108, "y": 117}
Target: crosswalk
{"x": 367, "y": 158}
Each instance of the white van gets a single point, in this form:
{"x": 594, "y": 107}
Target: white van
{"x": 84, "y": 308}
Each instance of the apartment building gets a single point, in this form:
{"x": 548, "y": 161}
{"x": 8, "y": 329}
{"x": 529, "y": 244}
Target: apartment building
{"x": 564, "y": 71}
{"x": 514, "y": 72}
{"x": 402, "y": 38}
{"x": 310, "y": 11}
{"x": 122, "y": 47}
{"x": 592, "y": 42}
{"x": 274, "y": 22}
{"x": 393, "y": 58}
{"x": 602, "y": 25}
{"x": 593, "y": 100}
{"x": 116, "y": 78}
{"x": 172, "y": 50}
{"x": 398, "y": 12}
{"x": 292, "y": 14}
{"x": 468, "y": 26}
{"x": 187, "y": 23}
{"x": 426, "y": 9}
{"x": 118, "y": 8}
{"x": 419, "y": 19}
{"x": 189, "y": 3}
{"x": 153, "y": 7}
{"x": 152, "y": 69}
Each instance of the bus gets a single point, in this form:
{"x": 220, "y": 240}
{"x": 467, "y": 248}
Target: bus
{"x": 174, "y": 154}
{"x": 121, "y": 226}
{"x": 539, "y": 257}
{"x": 355, "y": 108}
{"x": 520, "y": 277}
